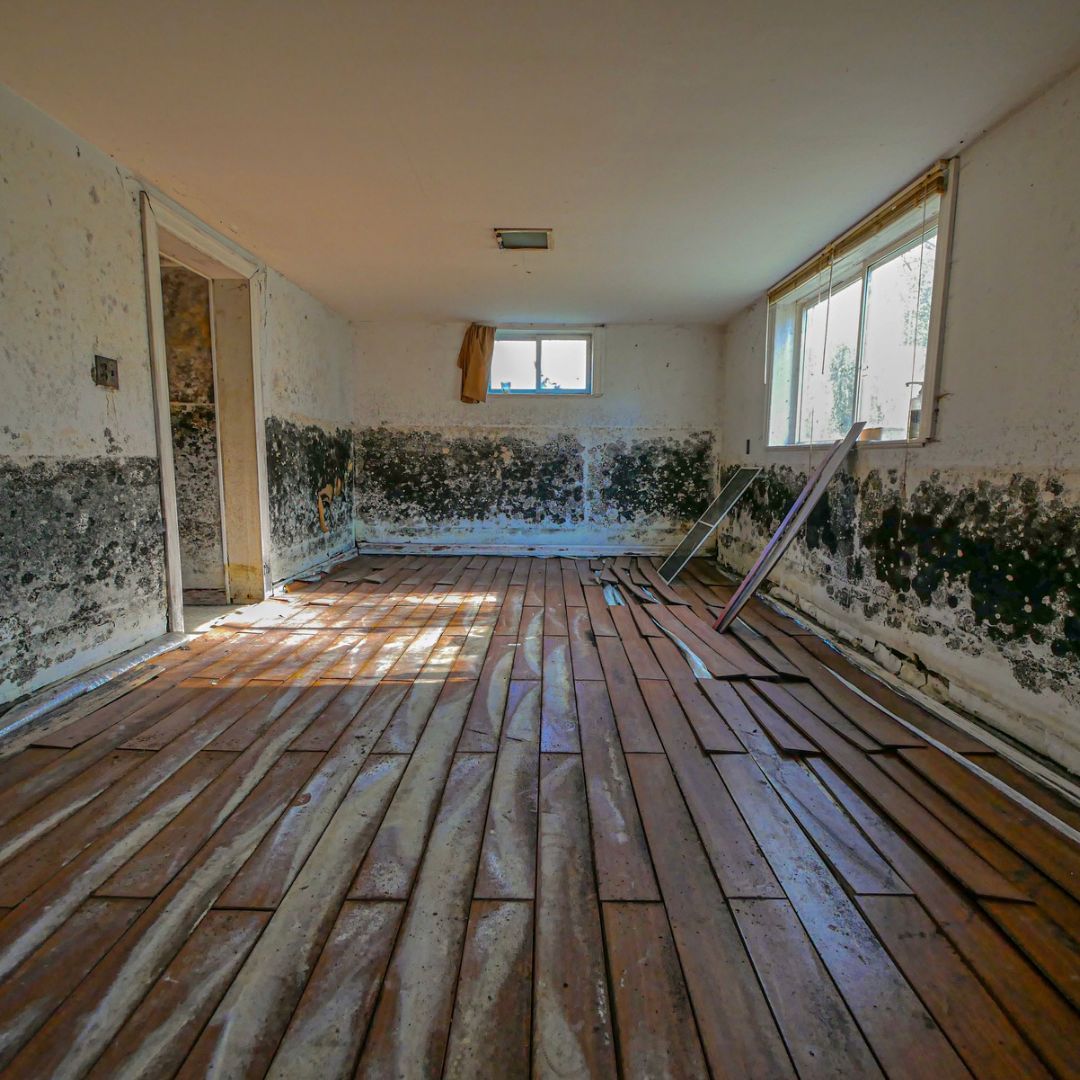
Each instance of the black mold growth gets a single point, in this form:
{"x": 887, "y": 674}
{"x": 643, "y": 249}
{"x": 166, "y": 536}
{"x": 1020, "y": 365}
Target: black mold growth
{"x": 309, "y": 475}
{"x": 82, "y": 547}
{"x": 660, "y": 477}
{"x": 424, "y": 477}
{"x": 989, "y": 561}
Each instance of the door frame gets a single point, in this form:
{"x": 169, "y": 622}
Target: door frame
{"x": 167, "y": 227}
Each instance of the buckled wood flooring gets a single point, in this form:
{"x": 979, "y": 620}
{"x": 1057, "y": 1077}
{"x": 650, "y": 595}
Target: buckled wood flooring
{"x": 464, "y": 817}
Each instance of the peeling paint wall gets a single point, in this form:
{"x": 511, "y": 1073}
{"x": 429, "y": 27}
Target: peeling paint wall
{"x": 193, "y": 416}
{"x": 629, "y": 468}
{"x": 957, "y": 562}
{"x": 307, "y": 379}
{"x": 81, "y": 554}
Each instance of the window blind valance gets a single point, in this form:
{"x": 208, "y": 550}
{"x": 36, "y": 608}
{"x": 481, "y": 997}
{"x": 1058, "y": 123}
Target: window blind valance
{"x": 932, "y": 182}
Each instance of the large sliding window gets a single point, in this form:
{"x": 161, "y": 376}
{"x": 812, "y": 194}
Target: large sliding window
{"x": 850, "y": 332}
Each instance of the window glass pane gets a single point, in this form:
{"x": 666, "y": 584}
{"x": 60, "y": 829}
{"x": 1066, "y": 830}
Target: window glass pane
{"x": 894, "y": 342}
{"x": 513, "y": 365}
{"x": 564, "y": 364}
{"x": 830, "y": 338}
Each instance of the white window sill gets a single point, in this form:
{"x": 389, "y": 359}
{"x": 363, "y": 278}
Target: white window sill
{"x": 882, "y": 444}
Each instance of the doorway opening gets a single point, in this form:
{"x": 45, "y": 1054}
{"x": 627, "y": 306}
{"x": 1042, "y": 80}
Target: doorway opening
{"x": 210, "y": 433}
{"x": 193, "y": 423}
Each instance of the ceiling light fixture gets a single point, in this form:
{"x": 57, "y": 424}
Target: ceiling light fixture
{"x": 523, "y": 239}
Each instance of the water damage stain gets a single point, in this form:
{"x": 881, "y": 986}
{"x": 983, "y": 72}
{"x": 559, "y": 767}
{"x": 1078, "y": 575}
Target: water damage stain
{"x": 309, "y": 473}
{"x": 416, "y": 478}
{"x": 198, "y": 502}
{"x": 186, "y": 307}
{"x": 989, "y": 561}
{"x": 83, "y": 549}
{"x": 666, "y": 477}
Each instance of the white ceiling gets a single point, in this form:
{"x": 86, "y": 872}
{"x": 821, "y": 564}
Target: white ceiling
{"x": 687, "y": 153}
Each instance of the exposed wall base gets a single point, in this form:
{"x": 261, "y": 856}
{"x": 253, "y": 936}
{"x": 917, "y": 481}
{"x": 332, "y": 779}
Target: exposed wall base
{"x": 578, "y": 551}
{"x": 906, "y": 682}
{"x": 348, "y": 551}
{"x": 24, "y": 717}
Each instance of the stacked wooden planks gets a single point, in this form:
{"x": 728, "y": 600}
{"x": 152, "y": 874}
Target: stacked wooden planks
{"x": 466, "y": 816}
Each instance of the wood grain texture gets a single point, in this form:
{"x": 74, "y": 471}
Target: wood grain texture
{"x": 572, "y": 1032}
{"x": 456, "y": 816}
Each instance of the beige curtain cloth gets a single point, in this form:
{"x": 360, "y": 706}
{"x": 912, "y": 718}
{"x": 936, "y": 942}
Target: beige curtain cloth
{"x": 475, "y": 363}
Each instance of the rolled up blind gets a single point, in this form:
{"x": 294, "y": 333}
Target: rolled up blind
{"x": 931, "y": 182}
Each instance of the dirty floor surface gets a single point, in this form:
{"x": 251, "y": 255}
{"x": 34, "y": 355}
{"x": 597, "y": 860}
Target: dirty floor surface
{"x": 460, "y": 816}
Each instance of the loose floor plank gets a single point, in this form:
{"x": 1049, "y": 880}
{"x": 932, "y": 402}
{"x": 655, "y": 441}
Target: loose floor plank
{"x": 653, "y": 1017}
{"x": 900, "y": 1031}
{"x": 642, "y": 660}
{"x": 249, "y": 1022}
{"x": 599, "y": 612}
{"x": 161, "y": 1031}
{"x": 636, "y": 730}
{"x": 388, "y": 870}
{"x": 489, "y": 1034}
{"x": 623, "y": 869}
{"x": 788, "y": 738}
{"x": 732, "y": 850}
{"x": 412, "y": 1020}
{"x": 821, "y": 1034}
{"x": 236, "y": 817}
{"x": 737, "y": 1029}
{"x": 979, "y": 1030}
{"x": 485, "y": 717}
{"x": 558, "y": 710}
{"x": 508, "y": 856}
{"x": 325, "y": 1033}
{"x": 1031, "y": 1003}
{"x": 712, "y": 731}
{"x": 1045, "y": 848}
{"x": 572, "y": 1032}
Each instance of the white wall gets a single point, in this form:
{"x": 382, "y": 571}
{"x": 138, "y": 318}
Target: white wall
{"x": 307, "y": 376}
{"x": 81, "y": 545}
{"x": 434, "y": 470}
{"x": 1005, "y": 463}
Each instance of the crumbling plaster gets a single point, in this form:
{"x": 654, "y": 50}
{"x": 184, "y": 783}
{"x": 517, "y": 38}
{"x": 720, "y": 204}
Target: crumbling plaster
{"x": 957, "y": 560}
{"x": 627, "y": 468}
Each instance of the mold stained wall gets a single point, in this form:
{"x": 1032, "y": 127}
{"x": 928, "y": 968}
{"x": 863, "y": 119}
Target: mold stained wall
{"x": 192, "y": 412}
{"x": 82, "y": 568}
{"x": 307, "y": 372}
{"x": 629, "y": 469}
{"x": 957, "y": 561}
{"x": 81, "y": 553}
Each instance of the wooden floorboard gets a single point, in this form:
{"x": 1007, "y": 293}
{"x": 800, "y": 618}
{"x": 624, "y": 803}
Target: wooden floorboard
{"x": 458, "y": 816}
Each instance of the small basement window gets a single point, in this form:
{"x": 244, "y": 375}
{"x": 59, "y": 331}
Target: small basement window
{"x": 542, "y": 362}
{"x": 852, "y": 331}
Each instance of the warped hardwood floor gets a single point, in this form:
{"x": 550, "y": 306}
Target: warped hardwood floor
{"x": 459, "y": 816}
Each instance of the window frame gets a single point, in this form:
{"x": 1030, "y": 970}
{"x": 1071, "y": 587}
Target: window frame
{"x": 935, "y": 331}
{"x": 591, "y": 335}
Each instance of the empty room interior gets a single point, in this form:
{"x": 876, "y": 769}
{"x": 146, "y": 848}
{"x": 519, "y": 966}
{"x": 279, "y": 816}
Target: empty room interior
{"x": 540, "y": 540}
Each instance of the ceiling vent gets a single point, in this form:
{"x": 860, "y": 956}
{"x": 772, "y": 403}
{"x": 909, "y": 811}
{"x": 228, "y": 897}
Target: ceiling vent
{"x": 523, "y": 239}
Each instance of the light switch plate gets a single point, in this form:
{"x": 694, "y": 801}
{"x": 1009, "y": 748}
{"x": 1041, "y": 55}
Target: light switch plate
{"x": 105, "y": 373}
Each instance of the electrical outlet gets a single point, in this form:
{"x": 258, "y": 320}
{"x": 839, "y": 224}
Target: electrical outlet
{"x": 105, "y": 373}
